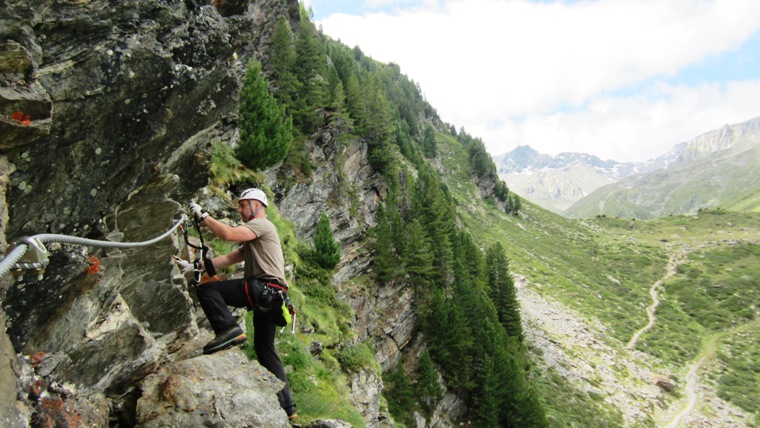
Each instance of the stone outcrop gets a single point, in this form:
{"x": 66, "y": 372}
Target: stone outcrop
{"x": 121, "y": 86}
{"x": 224, "y": 389}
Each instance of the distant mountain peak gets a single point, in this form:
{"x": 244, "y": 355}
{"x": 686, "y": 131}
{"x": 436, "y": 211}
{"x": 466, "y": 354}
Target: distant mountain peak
{"x": 715, "y": 169}
{"x": 557, "y": 182}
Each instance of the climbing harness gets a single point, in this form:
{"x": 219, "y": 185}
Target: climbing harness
{"x": 30, "y": 254}
{"x": 260, "y": 296}
{"x": 201, "y": 261}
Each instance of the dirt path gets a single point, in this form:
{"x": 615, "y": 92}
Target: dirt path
{"x": 706, "y": 354}
{"x": 671, "y": 270}
{"x": 691, "y": 385}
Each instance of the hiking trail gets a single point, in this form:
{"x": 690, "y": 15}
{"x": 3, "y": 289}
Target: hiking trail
{"x": 707, "y": 353}
{"x": 675, "y": 258}
{"x": 691, "y": 383}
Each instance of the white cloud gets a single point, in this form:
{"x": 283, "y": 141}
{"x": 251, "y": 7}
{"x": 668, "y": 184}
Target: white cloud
{"x": 548, "y": 72}
{"x": 633, "y": 128}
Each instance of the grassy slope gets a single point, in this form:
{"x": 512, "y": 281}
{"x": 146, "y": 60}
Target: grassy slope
{"x": 605, "y": 267}
{"x": 711, "y": 297}
{"x": 730, "y": 181}
{"x": 711, "y": 304}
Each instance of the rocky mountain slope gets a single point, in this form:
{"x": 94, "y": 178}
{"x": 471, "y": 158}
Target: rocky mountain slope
{"x": 557, "y": 182}
{"x": 109, "y": 111}
{"x": 715, "y": 169}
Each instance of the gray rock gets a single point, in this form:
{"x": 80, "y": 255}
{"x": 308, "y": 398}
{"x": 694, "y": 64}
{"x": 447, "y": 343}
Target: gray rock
{"x": 123, "y": 99}
{"x": 13, "y": 413}
{"x": 366, "y": 387}
{"x": 332, "y": 423}
{"x": 220, "y": 390}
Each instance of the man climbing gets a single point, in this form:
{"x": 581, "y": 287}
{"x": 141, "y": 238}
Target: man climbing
{"x": 264, "y": 270}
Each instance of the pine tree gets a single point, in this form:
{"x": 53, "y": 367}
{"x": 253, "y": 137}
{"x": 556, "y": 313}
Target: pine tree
{"x": 418, "y": 261}
{"x": 429, "y": 391}
{"x": 378, "y": 108}
{"x": 503, "y": 292}
{"x": 399, "y": 394}
{"x": 355, "y": 101}
{"x": 326, "y": 249}
{"x": 486, "y": 398}
{"x": 309, "y": 69}
{"x": 265, "y": 130}
{"x": 429, "y": 145}
{"x": 516, "y": 205}
{"x": 470, "y": 256}
{"x": 283, "y": 60}
{"x": 336, "y": 101}
{"x": 459, "y": 343}
{"x": 433, "y": 210}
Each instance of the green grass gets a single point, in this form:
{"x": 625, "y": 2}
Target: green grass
{"x": 318, "y": 384}
{"x": 750, "y": 201}
{"x": 320, "y": 391}
{"x": 226, "y": 170}
{"x": 571, "y": 407}
{"x": 739, "y": 377}
{"x": 672, "y": 338}
{"x": 718, "y": 288}
{"x": 356, "y": 358}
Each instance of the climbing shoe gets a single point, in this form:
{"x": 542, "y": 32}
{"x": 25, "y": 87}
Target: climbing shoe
{"x": 224, "y": 340}
{"x": 292, "y": 415}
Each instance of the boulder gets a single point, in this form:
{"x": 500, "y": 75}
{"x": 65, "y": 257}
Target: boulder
{"x": 220, "y": 390}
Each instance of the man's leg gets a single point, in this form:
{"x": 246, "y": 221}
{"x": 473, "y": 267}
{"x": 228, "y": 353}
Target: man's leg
{"x": 263, "y": 342}
{"x": 215, "y": 297}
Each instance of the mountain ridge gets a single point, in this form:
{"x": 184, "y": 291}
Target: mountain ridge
{"x": 557, "y": 182}
{"x": 714, "y": 169}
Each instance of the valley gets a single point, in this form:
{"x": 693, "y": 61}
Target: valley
{"x": 579, "y": 347}
{"x": 605, "y": 311}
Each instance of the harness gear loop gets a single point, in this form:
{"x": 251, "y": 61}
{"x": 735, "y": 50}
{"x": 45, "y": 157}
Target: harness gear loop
{"x": 202, "y": 261}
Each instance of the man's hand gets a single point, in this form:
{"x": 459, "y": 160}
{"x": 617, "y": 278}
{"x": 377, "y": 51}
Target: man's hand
{"x": 197, "y": 211}
{"x": 184, "y": 265}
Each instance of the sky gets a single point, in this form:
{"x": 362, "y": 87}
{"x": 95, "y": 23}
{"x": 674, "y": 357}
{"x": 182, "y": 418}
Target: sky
{"x": 620, "y": 79}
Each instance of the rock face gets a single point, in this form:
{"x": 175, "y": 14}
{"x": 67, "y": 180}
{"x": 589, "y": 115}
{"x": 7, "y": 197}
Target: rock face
{"x": 224, "y": 389}
{"x": 105, "y": 111}
{"x": 112, "y": 91}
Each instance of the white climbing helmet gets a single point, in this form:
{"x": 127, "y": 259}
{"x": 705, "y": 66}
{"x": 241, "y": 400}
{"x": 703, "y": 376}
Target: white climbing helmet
{"x": 254, "y": 193}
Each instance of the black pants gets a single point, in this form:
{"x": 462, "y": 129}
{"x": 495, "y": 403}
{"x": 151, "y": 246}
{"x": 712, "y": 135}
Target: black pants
{"x": 215, "y": 297}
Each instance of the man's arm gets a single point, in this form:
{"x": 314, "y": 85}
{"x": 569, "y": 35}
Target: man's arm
{"x": 228, "y": 233}
{"x": 234, "y": 256}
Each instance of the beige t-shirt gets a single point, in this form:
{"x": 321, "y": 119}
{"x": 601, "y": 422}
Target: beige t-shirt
{"x": 263, "y": 255}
